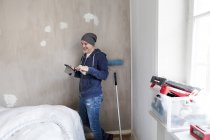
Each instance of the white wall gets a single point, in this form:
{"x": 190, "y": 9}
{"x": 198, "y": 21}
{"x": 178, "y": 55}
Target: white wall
{"x": 144, "y": 60}
{"x": 172, "y": 29}
{"x": 172, "y": 45}
{"x": 158, "y": 30}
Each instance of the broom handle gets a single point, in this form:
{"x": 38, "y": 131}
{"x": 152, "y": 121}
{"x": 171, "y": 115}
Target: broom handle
{"x": 118, "y": 108}
{"x": 115, "y": 78}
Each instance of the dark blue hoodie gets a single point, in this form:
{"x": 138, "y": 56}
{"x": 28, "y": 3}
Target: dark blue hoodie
{"x": 90, "y": 84}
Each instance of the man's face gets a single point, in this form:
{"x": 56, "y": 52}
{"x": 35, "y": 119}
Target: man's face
{"x": 86, "y": 47}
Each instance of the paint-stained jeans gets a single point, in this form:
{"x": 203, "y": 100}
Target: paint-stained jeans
{"x": 89, "y": 110}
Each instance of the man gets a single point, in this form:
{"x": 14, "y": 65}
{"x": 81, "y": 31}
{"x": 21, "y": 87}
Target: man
{"x": 92, "y": 70}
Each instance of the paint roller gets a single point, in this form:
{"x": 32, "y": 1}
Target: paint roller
{"x": 117, "y": 62}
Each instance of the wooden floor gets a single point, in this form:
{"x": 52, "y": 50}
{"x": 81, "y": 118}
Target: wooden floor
{"x": 125, "y": 137}
{"x": 126, "y": 134}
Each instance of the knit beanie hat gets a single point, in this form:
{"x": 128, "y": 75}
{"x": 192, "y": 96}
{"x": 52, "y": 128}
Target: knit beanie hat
{"x": 89, "y": 38}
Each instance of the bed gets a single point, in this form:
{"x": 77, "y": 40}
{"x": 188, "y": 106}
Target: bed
{"x": 44, "y": 122}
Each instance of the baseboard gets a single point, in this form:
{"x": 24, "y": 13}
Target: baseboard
{"x": 117, "y": 132}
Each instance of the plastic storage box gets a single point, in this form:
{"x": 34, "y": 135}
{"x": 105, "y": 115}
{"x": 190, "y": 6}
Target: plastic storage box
{"x": 177, "y": 113}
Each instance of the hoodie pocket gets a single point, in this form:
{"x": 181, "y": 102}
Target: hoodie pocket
{"x": 85, "y": 84}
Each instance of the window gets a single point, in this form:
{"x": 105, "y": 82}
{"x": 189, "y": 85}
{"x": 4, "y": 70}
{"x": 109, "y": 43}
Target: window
{"x": 200, "y": 68}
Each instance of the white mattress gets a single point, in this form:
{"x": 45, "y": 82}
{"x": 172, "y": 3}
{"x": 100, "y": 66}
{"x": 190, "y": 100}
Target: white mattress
{"x": 45, "y": 122}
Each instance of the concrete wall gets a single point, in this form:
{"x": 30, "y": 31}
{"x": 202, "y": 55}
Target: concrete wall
{"x": 38, "y": 36}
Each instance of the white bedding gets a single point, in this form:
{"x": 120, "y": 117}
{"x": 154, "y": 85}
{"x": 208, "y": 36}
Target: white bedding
{"x": 44, "y": 122}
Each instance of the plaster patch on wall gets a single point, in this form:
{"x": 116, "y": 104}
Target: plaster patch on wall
{"x": 0, "y": 32}
{"x": 43, "y": 43}
{"x": 47, "y": 29}
{"x": 10, "y": 100}
{"x": 63, "y": 25}
{"x": 88, "y": 17}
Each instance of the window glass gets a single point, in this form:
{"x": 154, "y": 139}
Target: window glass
{"x": 200, "y": 70}
{"x": 201, "y": 6}
{"x": 201, "y": 39}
